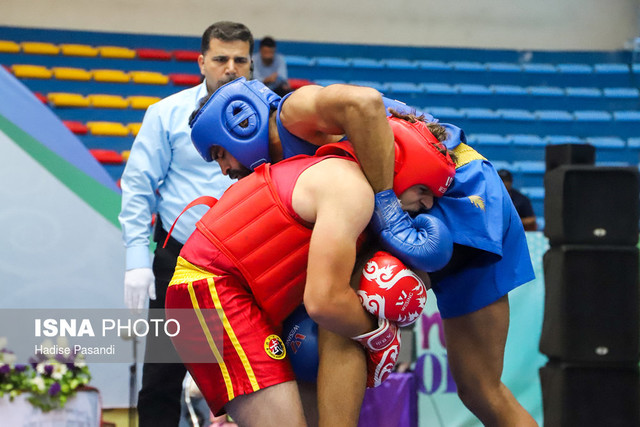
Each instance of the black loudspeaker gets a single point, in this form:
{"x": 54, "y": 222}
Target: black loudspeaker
{"x": 591, "y": 205}
{"x": 569, "y": 154}
{"x": 591, "y": 309}
{"x": 585, "y": 396}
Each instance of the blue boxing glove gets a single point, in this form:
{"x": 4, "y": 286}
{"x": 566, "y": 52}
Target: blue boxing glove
{"x": 423, "y": 243}
{"x": 300, "y": 335}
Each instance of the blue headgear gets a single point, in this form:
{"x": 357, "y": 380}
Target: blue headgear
{"x": 236, "y": 117}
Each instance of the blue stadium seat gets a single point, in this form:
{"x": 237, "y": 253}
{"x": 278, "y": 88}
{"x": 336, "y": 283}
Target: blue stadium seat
{"x": 626, "y": 123}
{"x": 440, "y": 94}
{"x": 553, "y": 122}
{"x": 510, "y": 96}
{"x": 491, "y": 145}
{"x": 542, "y": 97}
{"x": 633, "y": 149}
{"x": 331, "y": 61}
{"x": 479, "y": 120}
{"x": 468, "y": 66}
{"x": 593, "y": 123}
{"x": 536, "y": 196}
{"x": 530, "y": 172}
{"x": 367, "y": 63}
{"x": 575, "y": 74}
{"x": 503, "y": 67}
{"x": 538, "y": 74}
{"x": 612, "y": 74}
{"x": 516, "y": 114}
{"x": 528, "y": 147}
{"x": 433, "y": 65}
{"x": 400, "y": 64}
{"x": 501, "y": 164}
{"x": 299, "y": 61}
{"x": 563, "y": 139}
{"x": 472, "y": 89}
{"x": 583, "y": 98}
{"x": 621, "y": 98}
{"x": 608, "y": 148}
{"x": 444, "y": 114}
{"x": 403, "y": 88}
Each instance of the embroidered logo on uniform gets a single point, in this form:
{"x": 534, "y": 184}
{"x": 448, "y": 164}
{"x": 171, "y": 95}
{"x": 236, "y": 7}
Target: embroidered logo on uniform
{"x": 477, "y": 201}
{"x": 274, "y": 347}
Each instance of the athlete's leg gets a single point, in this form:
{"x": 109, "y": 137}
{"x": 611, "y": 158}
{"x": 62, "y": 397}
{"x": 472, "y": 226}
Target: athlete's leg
{"x": 475, "y": 348}
{"x": 342, "y": 379}
{"x": 274, "y": 406}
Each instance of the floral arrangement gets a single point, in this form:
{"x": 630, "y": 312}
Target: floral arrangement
{"x": 50, "y": 381}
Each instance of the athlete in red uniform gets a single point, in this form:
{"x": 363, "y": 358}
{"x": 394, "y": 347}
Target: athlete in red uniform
{"x": 285, "y": 234}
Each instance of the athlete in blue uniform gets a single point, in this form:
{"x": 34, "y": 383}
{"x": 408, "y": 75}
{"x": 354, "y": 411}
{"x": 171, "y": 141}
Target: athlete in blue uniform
{"x": 490, "y": 255}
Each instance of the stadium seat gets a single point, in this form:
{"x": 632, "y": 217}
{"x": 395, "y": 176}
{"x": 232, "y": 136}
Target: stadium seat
{"x": 530, "y": 173}
{"x": 583, "y": 92}
{"x": 367, "y": 63}
{"x": 539, "y": 68}
{"x": 25, "y": 71}
{"x": 108, "y": 101}
{"x": 554, "y": 115}
{"x": 149, "y": 77}
{"x": 513, "y": 114}
{"x": 134, "y": 128}
{"x": 545, "y": 91}
{"x": 608, "y": 142}
{"x": 76, "y": 127}
{"x": 444, "y": 113}
{"x": 62, "y": 99}
{"x": 332, "y": 61}
{"x": 78, "y": 50}
{"x": 508, "y": 90}
{"x": 155, "y": 54}
{"x": 626, "y": 123}
{"x": 627, "y": 116}
{"x": 592, "y": 116}
{"x": 563, "y": 139}
{"x": 8, "y": 46}
{"x": 503, "y": 67}
{"x": 574, "y": 68}
{"x": 433, "y": 65}
{"x": 107, "y": 129}
{"x": 400, "y": 64}
{"x": 116, "y": 52}
{"x": 534, "y": 193}
{"x": 480, "y": 113}
{"x": 138, "y": 102}
{"x": 467, "y": 66}
{"x": 297, "y": 60}
{"x": 472, "y": 89}
{"x": 440, "y": 88}
{"x": 39, "y": 48}
{"x": 186, "y": 55}
{"x": 68, "y": 73}
{"x": 111, "y": 76}
{"x": 621, "y": 92}
{"x": 183, "y": 79}
{"x": 125, "y": 155}
{"x": 403, "y": 88}
{"x": 528, "y": 147}
{"x": 106, "y": 156}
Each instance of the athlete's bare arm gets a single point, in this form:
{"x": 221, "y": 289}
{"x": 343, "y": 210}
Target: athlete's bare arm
{"x": 335, "y": 195}
{"x": 322, "y": 115}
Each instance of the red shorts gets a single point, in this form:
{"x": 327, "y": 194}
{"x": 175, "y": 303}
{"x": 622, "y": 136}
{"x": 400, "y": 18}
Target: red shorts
{"x": 246, "y": 352}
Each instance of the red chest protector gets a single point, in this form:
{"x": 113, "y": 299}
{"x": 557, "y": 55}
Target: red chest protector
{"x": 253, "y": 228}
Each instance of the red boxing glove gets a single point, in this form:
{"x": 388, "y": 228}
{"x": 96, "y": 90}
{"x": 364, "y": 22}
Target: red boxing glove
{"x": 383, "y": 348}
{"x": 388, "y": 289}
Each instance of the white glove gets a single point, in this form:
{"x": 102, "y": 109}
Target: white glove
{"x": 138, "y": 283}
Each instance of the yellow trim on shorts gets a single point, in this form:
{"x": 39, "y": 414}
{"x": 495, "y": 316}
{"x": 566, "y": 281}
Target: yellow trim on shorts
{"x": 186, "y": 272}
{"x": 234, "y": 340}
{"x": 465, "y": 154}
{"x": 212, "y": 344}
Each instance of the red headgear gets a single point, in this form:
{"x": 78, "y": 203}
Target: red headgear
{"x": 418, "y": 160}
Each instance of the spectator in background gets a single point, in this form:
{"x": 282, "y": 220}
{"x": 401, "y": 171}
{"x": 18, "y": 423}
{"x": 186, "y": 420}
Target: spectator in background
{"x": 163, "y": 174}
{"x": 270, "y": 67}
{"x": 520, "y": 201}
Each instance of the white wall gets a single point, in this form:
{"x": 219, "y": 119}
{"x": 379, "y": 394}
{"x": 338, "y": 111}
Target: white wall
{"x": 516, "y": 24}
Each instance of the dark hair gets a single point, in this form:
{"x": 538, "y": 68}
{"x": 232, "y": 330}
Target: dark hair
{"x": 226, "y": 31}
{"x": 505, "y": 175}
{"x": 267, "y": 41}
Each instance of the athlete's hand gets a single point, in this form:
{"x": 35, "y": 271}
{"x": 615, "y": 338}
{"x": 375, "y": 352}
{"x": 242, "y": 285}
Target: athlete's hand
{"x": 139, "y": 283}
{"x": 383, "y": 348}
{"x": 424, "y": 243}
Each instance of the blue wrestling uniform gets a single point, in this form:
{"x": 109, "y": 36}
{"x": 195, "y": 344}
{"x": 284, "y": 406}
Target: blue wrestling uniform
{"x": 479, "y": 214}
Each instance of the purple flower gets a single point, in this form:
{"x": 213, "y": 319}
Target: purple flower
{"x": 48, "y": 369}
{"x": 20, "y": 368}
{"x": 54, "y": 389}
{"x": 5, "y": 369}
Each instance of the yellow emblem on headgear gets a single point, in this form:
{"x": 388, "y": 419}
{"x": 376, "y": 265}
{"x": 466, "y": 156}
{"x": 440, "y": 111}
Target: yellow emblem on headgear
{"x": 477, "y": 201}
